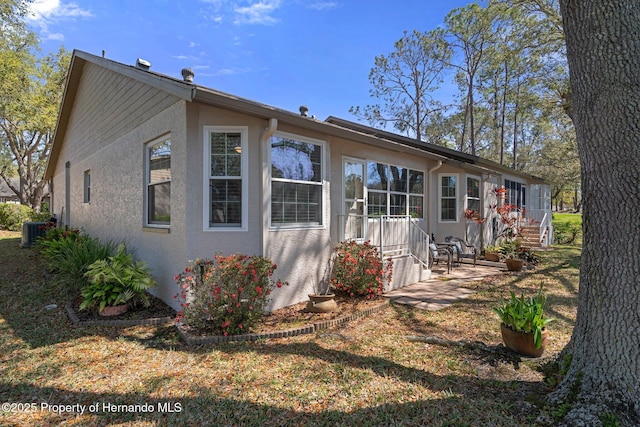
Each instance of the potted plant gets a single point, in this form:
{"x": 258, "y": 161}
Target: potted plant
{"x": 511, "y": 252}
{"x": 322, "y": 300}
{"x": 523, "y": 324}
{"x": 116, "y": 281}
{"x": 492, "y": 253}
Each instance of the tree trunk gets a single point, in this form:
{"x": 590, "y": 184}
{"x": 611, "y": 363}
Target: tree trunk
{"x": 603, "y": 41}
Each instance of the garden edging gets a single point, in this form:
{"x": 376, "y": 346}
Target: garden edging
{"x": 75, "y": 320}
{"x": 214, "y": 339}
{"x": 307, "y": 329}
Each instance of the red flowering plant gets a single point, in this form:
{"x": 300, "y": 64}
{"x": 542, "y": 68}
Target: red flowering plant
{"x": 359, "y": 270}
{"x": 226, "y": 295}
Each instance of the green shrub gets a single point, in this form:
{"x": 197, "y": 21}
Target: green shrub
{"x": 68, "y": 254}
{"x": 225, "y": 296}
{"x": 359, "y": 270}
{"x": 116, "y": 280}
{"x": 566, "y": 233}
{"x": 12, "y": 216}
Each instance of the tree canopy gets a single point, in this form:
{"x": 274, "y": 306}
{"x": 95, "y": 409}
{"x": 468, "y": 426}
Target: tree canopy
{"x": 31, "y": 87}
{"x": 507, "y": 61}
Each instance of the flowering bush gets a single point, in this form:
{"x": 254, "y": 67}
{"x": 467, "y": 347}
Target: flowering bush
{"x": 226, "y": 295}
{"x": 359, "y": 270}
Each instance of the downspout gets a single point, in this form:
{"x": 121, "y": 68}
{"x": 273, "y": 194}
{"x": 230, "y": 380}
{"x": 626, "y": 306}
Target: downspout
{"x": 266, "y": 209}
{"x": 430, "y": 222}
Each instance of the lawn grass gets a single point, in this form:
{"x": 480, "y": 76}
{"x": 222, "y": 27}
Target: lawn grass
{"x": 364, "y": 373}
{"x": 560, "y": 217}
{"x": 563, "y": 219}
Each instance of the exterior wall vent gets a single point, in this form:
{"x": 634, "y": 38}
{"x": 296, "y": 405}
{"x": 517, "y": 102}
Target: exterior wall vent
{"x": 187, "y": 75}
{"x": 143, "y": 64}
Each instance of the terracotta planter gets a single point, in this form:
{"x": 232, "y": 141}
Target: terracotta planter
{"x": 522, "y": 343}
{"x": 321, "y": 303}
{"x": 115, "y": 310}
{"x": 492, "y": 257}
{"x": 514, "y": 264}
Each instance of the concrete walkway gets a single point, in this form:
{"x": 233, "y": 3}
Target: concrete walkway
{"x": 443, "y": 288}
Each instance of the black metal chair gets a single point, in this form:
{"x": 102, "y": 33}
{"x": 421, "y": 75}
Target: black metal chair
{"x": 461, "y": 249}
{"x": 437, "y": 254}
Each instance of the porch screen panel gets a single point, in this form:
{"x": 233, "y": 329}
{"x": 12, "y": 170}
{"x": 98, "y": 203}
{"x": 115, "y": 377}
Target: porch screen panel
{"x": 394, "y": 190}
{"x": 516, "y": 193}
{"x": 296, "y": 181}
{"x": 416, "y": 194}
{"x": 225, "y": 182}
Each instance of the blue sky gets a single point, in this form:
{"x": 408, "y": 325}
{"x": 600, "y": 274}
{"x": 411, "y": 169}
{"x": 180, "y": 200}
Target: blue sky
{"x": 283, "y": 53}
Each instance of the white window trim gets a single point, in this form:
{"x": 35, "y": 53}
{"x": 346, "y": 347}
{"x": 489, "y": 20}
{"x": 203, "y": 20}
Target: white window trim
{"x": 457, "y": 198}
{"x": 466, "y": 193}
{"x": 323, "y": 183}
{"x": 206, "y": 174}
{"x": 147, "y": 161}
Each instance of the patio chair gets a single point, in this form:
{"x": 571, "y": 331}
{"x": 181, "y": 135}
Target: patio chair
{"x": 461, "y": 249}
{"x": 437, "y": 254}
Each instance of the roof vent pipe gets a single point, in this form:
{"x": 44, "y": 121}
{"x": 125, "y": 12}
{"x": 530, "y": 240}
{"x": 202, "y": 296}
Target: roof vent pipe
{"x": 187, "y": 75}
{"x": 143, "y": 64}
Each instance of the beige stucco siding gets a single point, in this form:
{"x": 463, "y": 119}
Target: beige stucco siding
{"x": 110, "y": 124}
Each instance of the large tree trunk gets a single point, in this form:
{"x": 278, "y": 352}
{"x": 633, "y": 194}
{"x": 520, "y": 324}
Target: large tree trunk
{"x": 603, "y": 45}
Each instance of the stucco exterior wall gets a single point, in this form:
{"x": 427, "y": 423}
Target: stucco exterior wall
{"x": 110, "y": 144}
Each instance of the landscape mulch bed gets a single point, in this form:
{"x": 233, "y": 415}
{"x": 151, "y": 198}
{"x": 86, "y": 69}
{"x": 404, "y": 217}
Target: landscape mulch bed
{"x": 287, "y": 321}
{"x": 157, "y": 313}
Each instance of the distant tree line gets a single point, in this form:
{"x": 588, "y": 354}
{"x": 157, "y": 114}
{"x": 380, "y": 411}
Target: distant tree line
{"x": 512, "y": 104}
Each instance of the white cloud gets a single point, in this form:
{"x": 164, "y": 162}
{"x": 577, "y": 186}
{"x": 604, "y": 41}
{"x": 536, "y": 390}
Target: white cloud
{"x": 322, "y": 5}
{"x": 55, "y": 36}
{"x": 257, "y": 13}
{"x": 42, "y": 13}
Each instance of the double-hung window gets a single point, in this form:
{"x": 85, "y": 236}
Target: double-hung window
{"x": 473, "y": 194}
{"x": 448, "y": 198}
{"x": 226, "y": 177}
{"x": 158, "y": 177}
{"x": 296, "y": 180}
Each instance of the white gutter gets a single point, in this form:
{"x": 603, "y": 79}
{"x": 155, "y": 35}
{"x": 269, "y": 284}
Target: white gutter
{"x": 270, "y": 130}
{"x": 431, "y": 222}
{"x": 266, "y": 170}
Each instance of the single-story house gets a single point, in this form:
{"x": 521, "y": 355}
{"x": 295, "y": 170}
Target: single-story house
{"x": 183, "y": 171}
{"x": 6, "y": 194}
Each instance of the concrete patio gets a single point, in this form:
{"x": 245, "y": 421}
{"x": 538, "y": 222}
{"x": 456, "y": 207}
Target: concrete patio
{"x": 444, "y": 288}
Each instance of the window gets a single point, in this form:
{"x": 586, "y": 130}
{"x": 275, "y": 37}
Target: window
{"x": 87, "y": 186}
{"x": 473, "y": 194}
{"x": 296, "y": 180}
{"x": 226, "y": 171}
{"x": 159, "y": 183}
{"x": 394, "y": 190}
{"x": 448, "y": 198}
{"x": 516, "y": 193}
